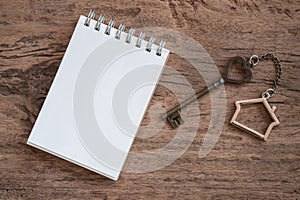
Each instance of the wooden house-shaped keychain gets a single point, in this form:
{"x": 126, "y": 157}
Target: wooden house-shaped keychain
{"x": 269, "y": 109}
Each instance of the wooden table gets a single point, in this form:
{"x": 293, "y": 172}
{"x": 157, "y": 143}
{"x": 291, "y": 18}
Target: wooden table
{"x": 34, "y": 36}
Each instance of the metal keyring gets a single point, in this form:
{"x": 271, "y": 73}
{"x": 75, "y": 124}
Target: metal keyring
{"x": 253, "y": 61}
{"x": 268, "y": 93}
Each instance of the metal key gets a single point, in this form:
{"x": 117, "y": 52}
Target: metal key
{"x": 173, "y": 115}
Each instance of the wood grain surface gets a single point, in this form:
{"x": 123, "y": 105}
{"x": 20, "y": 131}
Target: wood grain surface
{"x": 33, "y": 38}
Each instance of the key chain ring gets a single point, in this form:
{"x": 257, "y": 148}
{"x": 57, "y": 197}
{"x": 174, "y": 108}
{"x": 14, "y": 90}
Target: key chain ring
{"x": 268, "y": 93}
{"x": 253, "y": 61}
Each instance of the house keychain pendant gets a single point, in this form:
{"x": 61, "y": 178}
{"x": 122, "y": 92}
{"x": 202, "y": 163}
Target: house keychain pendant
{"x": 264, "y": 99}
{"x": 270, "y": 110}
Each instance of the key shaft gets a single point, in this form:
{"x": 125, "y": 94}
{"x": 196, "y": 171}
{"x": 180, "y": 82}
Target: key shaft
{"x": 193, "y": 98}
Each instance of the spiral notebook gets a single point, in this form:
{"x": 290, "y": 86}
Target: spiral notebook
{"x": 99, "y": 95}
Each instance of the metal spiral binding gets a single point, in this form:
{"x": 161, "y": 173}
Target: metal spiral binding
{"x": 90, "y": 16}
{"x": 99, "y": 22}
{"x": 140, "y": 39}
{"x": 110, "y": 25}
{"x": 130, "y": 34}
{"x": 150, "y": 43}
{"x": 160, "y": 47}
{"x": 121, "y": 29}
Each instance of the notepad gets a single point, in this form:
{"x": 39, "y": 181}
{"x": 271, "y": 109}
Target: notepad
{"x": 99, "y": 95}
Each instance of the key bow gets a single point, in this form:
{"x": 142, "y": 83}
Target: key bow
{"x": 245, "y": 69}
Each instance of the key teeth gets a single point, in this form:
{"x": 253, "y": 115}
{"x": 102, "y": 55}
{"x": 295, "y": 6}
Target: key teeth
{"x": 175, "y": 120}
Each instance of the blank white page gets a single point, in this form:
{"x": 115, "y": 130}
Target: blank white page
{"x": 97, "y": 100}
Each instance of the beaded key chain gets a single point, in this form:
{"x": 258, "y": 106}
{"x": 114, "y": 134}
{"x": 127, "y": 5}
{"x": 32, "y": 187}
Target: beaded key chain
{"x": 253, "y": 61}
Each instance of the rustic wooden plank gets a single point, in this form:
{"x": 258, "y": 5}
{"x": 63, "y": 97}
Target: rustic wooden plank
{"x": 33, "y": 39}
